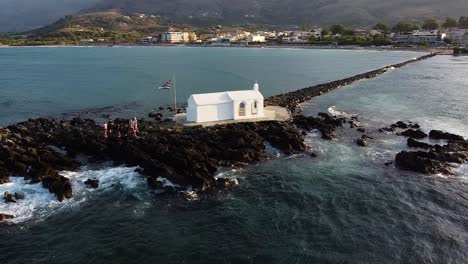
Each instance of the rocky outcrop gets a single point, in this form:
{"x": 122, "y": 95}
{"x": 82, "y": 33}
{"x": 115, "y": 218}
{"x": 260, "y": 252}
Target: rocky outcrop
{"x": 361, "y": 142}
{"x": 420, "y": 162}
{"x": 9, "y": 197}
{"x": 437, "y": 134}
{"x": 59, "y": 185}
{"x": 6, "y": 217}
{"x": 325, "y": 123}
{"x": 414, "y": 133}
{"x": 436, "y": 160}
{"x": 184, "y": 155}
{"x": 413, "y": 143}
{"x": 25, "y": 151}
{"x": 12, "y": 198}
{"x": 93, "y": 183}
{"x": 400, "y": 125}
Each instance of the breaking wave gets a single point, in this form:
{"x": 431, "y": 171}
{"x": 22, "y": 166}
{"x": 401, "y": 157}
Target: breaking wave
{"x": 39, "y": 203}
{"x": 332, "y": 110}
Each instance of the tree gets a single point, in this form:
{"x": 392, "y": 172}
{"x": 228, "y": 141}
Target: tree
{"x": 348, "y": 32}
{"x": 449, "y": 22}
{"x": 337, "y": 29}
{"x": 423, "y": 43}
{"x": 325, "y": 32}
{"x": 463, "y": 22}
{"x": 405, "y": 27}
{"x": 382, "y": 27}
{"x": 430, "y": 24}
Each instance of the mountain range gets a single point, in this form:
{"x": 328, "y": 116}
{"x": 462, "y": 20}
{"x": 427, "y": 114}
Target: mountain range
{"x": 20, "y": 15}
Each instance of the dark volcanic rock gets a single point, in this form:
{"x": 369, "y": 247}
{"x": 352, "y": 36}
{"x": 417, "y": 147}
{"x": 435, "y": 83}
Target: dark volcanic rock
{"x": 414, "y": 133}
{"x": 6, "y": 216}
{"x": 226, "y": 183}
{"x": 325, "y": 123}
{"x": 93, "y": 183}
{"x": 361, "y": 142}
{"x": 417, "y": 144}
{"x": 400, "y": 124}
{"x": 9, "y": 198}
{"x": 388, "y": 129}
{"x": 186, "y": 156}
{"x": 437, "y": 134}
{"x": 435, "y": 160}
{"x": 60, "y": 186}
{"x": 418, "y": 161}
{"x": 415, "y": 125}
{"x": 19, "y": 195}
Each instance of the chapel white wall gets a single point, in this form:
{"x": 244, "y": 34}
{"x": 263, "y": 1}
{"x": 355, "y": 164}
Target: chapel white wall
{"x": 217, "y": 112}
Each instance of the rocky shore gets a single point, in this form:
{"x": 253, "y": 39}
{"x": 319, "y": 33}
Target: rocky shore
{"x": 292, "y": 100}
{"x": 38, "y": 149}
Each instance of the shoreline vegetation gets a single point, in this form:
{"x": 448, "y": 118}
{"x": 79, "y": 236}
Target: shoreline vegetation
{"x": 460, "y": 51}
{"x": 189, "y": 157}
{"x": 115, "y": 28}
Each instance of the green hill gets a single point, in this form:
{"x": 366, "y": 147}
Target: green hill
{"x": 105, "y": 26}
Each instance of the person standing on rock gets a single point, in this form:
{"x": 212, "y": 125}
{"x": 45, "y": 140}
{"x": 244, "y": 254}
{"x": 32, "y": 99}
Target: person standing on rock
{"x": 118, "y": 128}
{"x": 130, "y": 127}
{"x": 111, "y": 125}
{"x": 104, "y": 126}
{"x": 135, "y": 125}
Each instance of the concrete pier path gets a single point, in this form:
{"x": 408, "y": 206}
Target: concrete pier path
{"x": 271, "y": 113}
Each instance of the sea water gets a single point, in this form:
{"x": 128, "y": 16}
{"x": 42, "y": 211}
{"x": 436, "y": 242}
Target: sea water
{"x": 124, "y": 80}
{"x": 343, "y": 206}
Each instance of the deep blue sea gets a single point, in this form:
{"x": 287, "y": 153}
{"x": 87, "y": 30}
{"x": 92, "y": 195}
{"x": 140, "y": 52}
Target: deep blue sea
{"x": 344, "y": 206}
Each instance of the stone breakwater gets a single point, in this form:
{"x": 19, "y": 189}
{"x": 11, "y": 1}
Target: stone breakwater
{"x": 291, "y": 100}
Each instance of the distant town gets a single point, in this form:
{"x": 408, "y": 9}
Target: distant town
{"x": 432, "y": 33}
{"x": 402, "y": 34}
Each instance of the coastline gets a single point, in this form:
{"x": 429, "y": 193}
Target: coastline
{"x": 441, "y": 51}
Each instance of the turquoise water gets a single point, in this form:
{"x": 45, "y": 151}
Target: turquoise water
{"x": 52, "y": 81}
{"x": 344, "y": 206}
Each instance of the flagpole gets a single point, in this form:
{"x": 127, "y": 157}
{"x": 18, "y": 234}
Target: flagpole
{"x": 175, "y": 100}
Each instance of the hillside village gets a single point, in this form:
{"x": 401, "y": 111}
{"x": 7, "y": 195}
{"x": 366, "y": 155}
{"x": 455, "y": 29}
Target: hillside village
{"x": 457, "y": 36}
{"x": 110, "y": 28}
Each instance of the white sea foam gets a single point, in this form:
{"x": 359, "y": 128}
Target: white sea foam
{"x": 228, "y": 174}
{"x": 166, "y": 182}
{"x": 37, "y": 199}
{"x": 39, "y": 203}
{"x": 332, "y": 110}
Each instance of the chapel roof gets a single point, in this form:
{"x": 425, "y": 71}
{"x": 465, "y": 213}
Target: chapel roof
{"x": 226, "y": 97}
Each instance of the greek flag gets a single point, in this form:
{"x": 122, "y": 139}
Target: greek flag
{"x": 165, "y": 86}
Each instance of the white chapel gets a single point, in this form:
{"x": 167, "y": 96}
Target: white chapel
{"x": 231, "y": 105}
